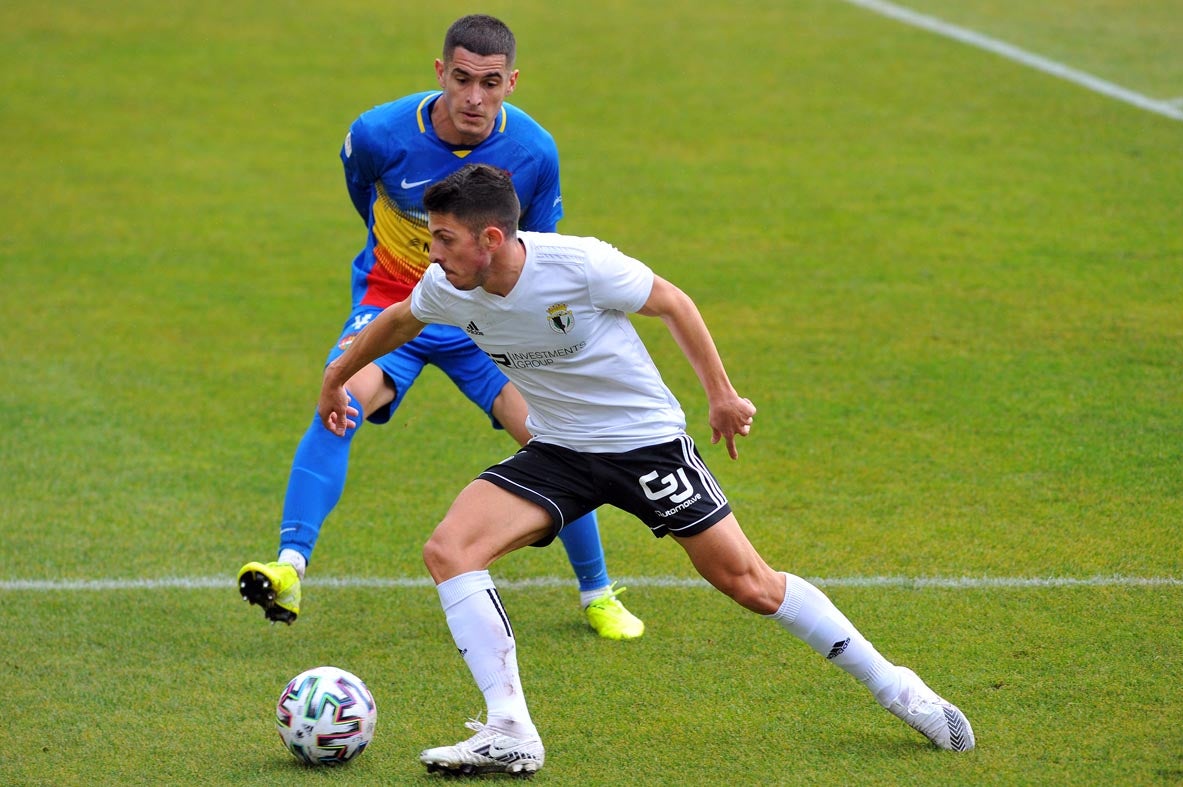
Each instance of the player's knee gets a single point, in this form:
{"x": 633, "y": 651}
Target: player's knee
{"x": 435, "y": 556}
{"x": 753, "y": 592}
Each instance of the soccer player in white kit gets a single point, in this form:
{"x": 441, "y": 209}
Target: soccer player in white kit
{"x": 552, "y": 310}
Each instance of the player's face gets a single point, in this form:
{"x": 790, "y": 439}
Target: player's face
{"x": 475, "y": 86}
{"x": 464, "y": 257}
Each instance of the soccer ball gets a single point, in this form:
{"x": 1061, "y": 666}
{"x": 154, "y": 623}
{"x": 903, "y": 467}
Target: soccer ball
{"x": 326, "y": 716}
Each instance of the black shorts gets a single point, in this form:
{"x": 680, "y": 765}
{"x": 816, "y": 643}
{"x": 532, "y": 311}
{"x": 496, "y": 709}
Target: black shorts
{"x": 667, "y": 486}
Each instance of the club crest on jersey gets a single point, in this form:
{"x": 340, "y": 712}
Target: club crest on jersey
{"x": 561, "y": 318}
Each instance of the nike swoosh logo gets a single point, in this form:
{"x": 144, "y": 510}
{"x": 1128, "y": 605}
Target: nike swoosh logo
{"x": 406, "y": 185}
{"x": 509, "y": 749}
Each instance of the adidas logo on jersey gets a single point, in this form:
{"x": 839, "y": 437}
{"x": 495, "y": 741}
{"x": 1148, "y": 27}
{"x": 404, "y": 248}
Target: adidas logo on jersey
{"x": 472, "y": 330}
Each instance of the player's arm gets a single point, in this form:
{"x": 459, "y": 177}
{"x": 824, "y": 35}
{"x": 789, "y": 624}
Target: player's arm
{"x": 545, "y": 207}
{"x": 359, "y": 172}
{"x": 391, "y": 329}
{"x": 730, "y": 414}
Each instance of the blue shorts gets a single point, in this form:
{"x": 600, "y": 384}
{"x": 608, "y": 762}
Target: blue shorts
{"x": 444, "y": 346}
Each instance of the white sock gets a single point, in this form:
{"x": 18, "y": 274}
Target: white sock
{"x": 588, "y": 596}
{"x": 808, "y": 614}
{"x": 295, "y": 559}
{"x": 480, "y": 628}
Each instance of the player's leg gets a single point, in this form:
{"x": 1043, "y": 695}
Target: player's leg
{"x": 483, "y": 524}
{"x": 317, "y": 476}
{"x": 319, "y": 468}
{"x": 480, "y": 379}
{"x": 315, "y": 483}
{"x": 726, "y": 558}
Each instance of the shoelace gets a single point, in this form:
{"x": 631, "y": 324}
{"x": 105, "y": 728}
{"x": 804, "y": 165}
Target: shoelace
{"x": 609, "y": 596}
{"x": 476, "y": 726}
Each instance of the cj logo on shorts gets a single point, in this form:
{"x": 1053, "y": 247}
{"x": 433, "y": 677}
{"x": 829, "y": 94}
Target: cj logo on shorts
{"x": 675, "y": 486}
{"x": 669, "y": 486}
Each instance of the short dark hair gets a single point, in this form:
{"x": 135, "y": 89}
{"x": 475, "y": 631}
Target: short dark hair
{"x": 480, "y": 34}
{"x": 478, "y": 196}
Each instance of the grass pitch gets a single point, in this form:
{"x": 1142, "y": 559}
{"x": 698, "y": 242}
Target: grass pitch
{"x": 951, "y": 284}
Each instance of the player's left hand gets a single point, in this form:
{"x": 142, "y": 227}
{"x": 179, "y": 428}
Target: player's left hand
{"x": 731, "y": 419}
{"x": 335, "y": 411}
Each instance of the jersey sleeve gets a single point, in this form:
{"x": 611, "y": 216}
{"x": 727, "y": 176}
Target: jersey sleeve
{"x": 426, "y": 303}
{"x": 360, "y": 176}
{"x": 617, "y": 281}
{"x": 546, "y": 206}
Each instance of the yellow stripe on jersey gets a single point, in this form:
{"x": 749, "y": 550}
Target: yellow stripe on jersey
{"x": 419, "y": 111}
{"x": 401, "y": 239}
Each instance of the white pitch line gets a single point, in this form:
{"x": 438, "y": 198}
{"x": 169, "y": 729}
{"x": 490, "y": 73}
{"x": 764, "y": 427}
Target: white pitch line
{"x": 1011, "y": 52}
{"x": 917, "y": 583}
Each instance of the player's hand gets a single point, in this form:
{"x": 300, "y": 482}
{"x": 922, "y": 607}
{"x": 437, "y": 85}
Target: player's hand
{"x": 731, "y": 419}
{"x": 335, "y": 411}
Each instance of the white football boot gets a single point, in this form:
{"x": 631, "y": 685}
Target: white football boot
{"x": 933, "y": 717}
{"x": 489, "y": 751}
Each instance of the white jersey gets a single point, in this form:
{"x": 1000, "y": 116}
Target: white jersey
{"x": 562, "y": 335}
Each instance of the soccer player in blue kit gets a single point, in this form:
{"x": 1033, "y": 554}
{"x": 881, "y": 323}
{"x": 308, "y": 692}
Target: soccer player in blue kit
{"x": 606, "y": 430}
{"x": 390, "y": 155}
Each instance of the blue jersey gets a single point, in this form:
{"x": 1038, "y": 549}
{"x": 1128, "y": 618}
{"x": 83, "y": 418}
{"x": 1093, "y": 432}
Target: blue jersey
{"x": 392, "y": 154}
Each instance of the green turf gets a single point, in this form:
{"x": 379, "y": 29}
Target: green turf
{"x": 1132, "y": 44}
{"x": 951, "y": 284}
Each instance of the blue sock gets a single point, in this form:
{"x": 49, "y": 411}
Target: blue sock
{"x": 315, "y": 483}
{"x": 581, "y": 539}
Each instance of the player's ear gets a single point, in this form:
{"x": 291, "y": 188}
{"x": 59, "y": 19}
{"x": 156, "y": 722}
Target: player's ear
{"x": 513, "y": 82}
{"x": 491, "y": 238}
{"x": 439, "y": 71}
